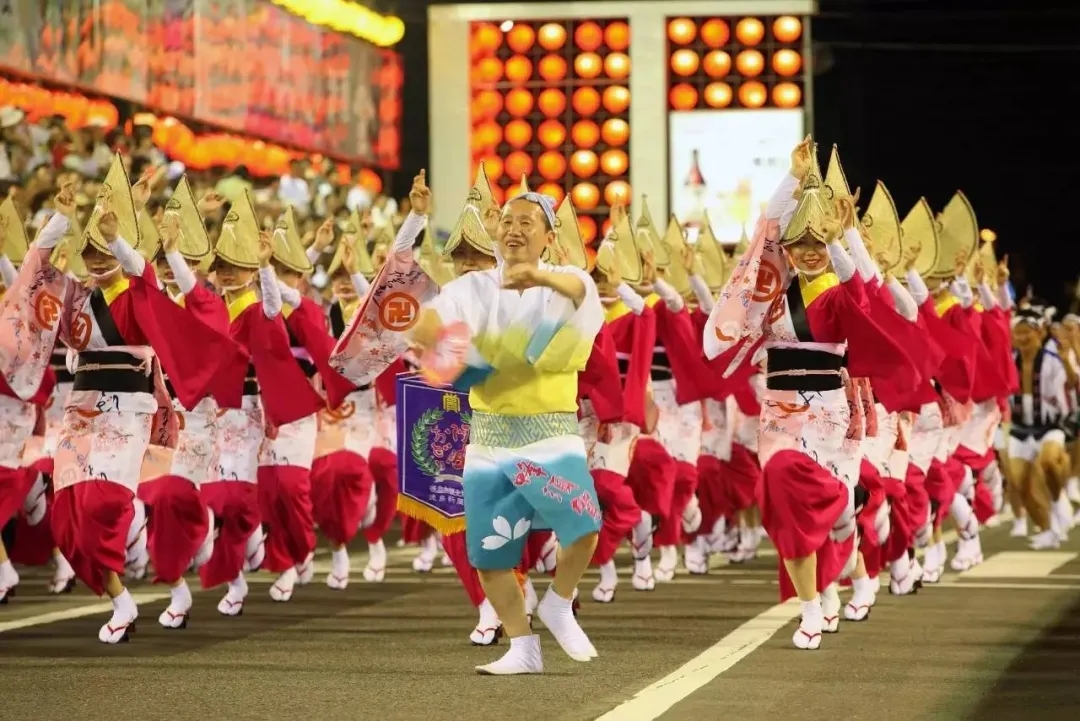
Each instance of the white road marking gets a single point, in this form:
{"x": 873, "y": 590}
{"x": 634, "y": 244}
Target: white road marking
{"x": 1006, "y": 585}
{"x": 103, "y": 607}
{"x": 1020, "y": 564}
{"x": 67, "y": 614}
{"x": 658, "y": 698}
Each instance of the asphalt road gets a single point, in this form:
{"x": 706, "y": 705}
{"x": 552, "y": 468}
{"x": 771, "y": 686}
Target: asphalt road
{"x": 999, "y": 643}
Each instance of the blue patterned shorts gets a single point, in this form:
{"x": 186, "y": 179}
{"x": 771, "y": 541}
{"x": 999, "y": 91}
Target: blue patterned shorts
{"x": 512, "y": 491}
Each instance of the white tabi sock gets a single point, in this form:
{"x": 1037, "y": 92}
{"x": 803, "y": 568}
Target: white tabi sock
{"x": 9, "y": 578}
{"x": 523, "y": 657}
{"x": 180, "y": 598}
{"x": 808, "y": 634}
{"x": 377, "y": 554}
{"x": 339, "y": 562}
{"x": 557, "y": 613}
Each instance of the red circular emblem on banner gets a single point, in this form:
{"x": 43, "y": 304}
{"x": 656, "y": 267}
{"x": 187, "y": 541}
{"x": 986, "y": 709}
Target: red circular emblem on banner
{"x": 46, "y": 310}
{"x": 768, "y": 283}
{"x": 80, "y": 331}
{"x": 399, "y": 312}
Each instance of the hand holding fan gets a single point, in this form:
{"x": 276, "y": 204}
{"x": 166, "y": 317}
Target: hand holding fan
{"x": 441, "y": 364}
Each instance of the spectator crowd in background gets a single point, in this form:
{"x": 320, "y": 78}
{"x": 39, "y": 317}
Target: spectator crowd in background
{"x": 37, "y": 158}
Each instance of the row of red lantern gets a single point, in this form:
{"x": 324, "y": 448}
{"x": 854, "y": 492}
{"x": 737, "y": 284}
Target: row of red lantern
{"x": 751, "y": 94}
{"x": 716, "y": 32}
{"x": 552, "y": 165}
{"x": 589, "y": 37}
{"x": 551, "y": 134}
{"x": 77, "y": 110}
{"x": 749, "y": 63}
{"x": 552, "y": 68}
{"x": 519, "y": 102}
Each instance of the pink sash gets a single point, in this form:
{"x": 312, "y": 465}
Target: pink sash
{"x": 30, "y": 318}
{"x": 378, "y": 333}
{"x": 742, "y": 310}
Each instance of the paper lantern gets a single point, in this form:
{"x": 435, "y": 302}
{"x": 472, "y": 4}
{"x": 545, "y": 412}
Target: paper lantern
{"x": 787, "y": 29}
{"x": 518, "y": 69}
{"x": 715, "y": 33}
{"x": 681, "y": 31}
{"x": 487, "y": 104}
{"x": 497, "y": 193}
{"x": 584, "y": 163}
{"x": 552, "y": 165}
{"x": 617, "y": 66}
{"x": 486, "y": 39}
{"x": 586, "y": 101}
{"x": 551, "y": 134}
{"x": 750, "y": 31}
{"x": 617, "y": 191}
{"x": 752, "y": 94}
{"x": 787, "y": 95}
{"x": 517, "y": 133}
{"x": 587, "y": 65}
{"x": 552, "y": 68}
{"x": 554, "y": 190}
{"x": 614, "y": 162}
{"x": 551, "y": 102}
{"x": 514, "y": 190}
{"x": 518, "y": 164}
{"x": 585, "y": 196}
{"x": 552, "y": 36}
{"x": 519, "y": 102}
{"x": 685, "y": 62}
{"x": 717, "y": 64}
{"x": 683, "y": 97}
{"x": 606, "y": 227}
{"x": 489, "y": 70}
{"x": 615, "y": 132}
{"x": 587, "y": 226}
{"x": 718, "y": 95}
{"x": 617, "y": 36}
{"x": 787, "y": 63}
{"x": 521, "y": 38}
{"x": 750, "y": 63}
{"x": 585, "y": 134}
{"x": 616, "y": 99}
{"x": 588, "y": 37}
{"x": 486, "y": 136}
{"x": 493, "y": 166}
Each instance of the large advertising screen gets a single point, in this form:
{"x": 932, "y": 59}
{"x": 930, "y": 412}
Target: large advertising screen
{"x": 727, "y": 163}
{"x": 242, "y": 65}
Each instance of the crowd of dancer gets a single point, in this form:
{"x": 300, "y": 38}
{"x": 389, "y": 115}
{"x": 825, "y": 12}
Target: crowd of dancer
{"x": 176, "y": 404}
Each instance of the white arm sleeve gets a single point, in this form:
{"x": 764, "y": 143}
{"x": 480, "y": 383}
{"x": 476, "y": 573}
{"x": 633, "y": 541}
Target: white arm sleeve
{"x": 360, "y": 284}
{"x": 130, "y": 260}
{"x": 702, "y": 293}
{"x": 271, "y": 296}
{"x": 672, "y": 300}
{"x": 291, "y": 296}
{"x": 53, "y": 232}
{"x": 633, "y": 301}
{"x": 7, "y": 271}
{"x": 185, "y": 279}
{"x": 409, "y": 230}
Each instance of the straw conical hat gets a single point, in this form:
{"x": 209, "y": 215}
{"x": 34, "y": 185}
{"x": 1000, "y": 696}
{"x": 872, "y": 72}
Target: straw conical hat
{"x": 238, "y": 243}
{"x": 194, "y": 240}
{"x": 17, "y": 242}
{"x": 118, "y": 188}
{"x": 288, "y": 250}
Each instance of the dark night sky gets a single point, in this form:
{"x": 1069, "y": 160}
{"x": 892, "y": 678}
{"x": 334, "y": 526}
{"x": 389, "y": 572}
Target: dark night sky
{"x": 929, "y": 96}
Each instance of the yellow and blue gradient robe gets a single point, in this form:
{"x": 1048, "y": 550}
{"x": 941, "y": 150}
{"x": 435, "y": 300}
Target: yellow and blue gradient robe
{"x": 525, "y": 465}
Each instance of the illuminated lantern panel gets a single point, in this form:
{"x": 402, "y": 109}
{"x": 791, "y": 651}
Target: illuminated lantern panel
{"x": 550, "y": 101}
{"x": 731, "y": 62}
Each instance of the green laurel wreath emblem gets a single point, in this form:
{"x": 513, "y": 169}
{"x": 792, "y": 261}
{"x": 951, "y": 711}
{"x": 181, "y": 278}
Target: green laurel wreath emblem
{"x": 419, "y": 444}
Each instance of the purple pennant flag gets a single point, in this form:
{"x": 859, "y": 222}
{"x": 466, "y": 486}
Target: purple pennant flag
{"x": 432, "y": 432}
